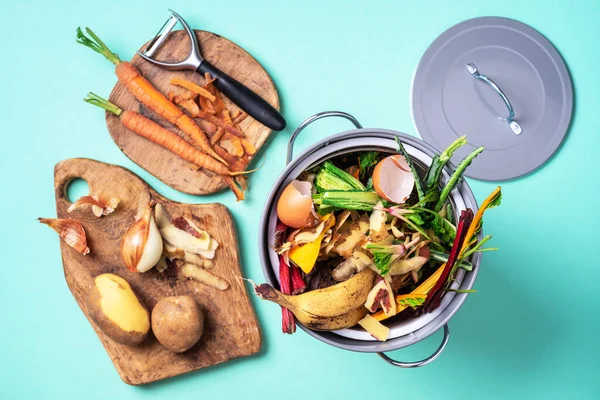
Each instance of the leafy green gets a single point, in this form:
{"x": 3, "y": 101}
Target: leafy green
{"x": 403, "y": 217}
{"x": 382, "y": 261}
{"x": 432, "y": 178}
{"x": 449, "y": 213}
{"x": 415, "y": 218}
{"x": 411, "y": 302}
{"x": 386, "y": 248}
{"x": 385, "y": 255}
{"x": 430, "y": 197}
{"x": 97, "y": 45}
{"x": 455, "y": 178}
{"x": 325, "y": 209}
{"x": 331, "y": 177}
{"x": 461, "y": 290}
{"x": 408, "y": 158}
{"x": 367, "y": 161}
{"x": 348, "y": 200}
{"x": 442, "y": 228}
{"x": 493, "y": 202}
{"x": 496, "y": 201}
{"x": 443, "y": 257}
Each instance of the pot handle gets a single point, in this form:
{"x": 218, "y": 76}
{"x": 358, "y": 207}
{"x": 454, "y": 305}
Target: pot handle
{"x": 310, "y": 120}
{"x": 423, "y": 362}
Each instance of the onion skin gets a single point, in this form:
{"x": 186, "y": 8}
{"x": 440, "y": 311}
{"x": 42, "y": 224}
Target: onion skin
{"x": 141, "y": 247}
{"x": 70, "y": 231}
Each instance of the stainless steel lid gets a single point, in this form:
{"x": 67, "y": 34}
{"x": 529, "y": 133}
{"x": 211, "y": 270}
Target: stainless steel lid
{"x": 500, "y": 83}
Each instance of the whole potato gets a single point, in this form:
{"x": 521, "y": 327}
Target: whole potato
{"x": 115, "y": 308}
{"x": 177, "y": 323}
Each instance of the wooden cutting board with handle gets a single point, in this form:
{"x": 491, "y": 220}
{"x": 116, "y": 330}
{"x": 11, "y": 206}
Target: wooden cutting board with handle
{"x": 231, "y": 328}
{"x": 225, "y": 55}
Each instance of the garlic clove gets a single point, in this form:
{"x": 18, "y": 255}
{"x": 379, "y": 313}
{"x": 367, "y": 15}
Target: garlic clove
{"x": 100, "y": 205}
{"x": 70, "y": 231}
{"x": 142, "y": 246}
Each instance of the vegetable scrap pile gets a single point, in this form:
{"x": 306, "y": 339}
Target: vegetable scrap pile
{"x": 367, "y": 237}
{"x": 173, "y": 247}
{"x": 212, "y": 138}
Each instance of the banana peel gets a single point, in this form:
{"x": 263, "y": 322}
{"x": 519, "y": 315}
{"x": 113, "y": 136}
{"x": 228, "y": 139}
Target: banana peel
{"x": 335, "y": 307}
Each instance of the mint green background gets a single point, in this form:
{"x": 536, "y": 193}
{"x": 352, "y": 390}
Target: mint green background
{"x": 530, "y": 331}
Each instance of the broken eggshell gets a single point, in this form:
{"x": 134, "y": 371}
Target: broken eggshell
{"x": 295, "y": 207}
{"x": 393, "y": 179}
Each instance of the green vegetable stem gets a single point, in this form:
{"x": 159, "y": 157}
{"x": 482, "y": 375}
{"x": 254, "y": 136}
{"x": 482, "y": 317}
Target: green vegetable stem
{"x": 348, "y": 200}
{"x": 455, "y": 178}
{"x": 331, "y": 177}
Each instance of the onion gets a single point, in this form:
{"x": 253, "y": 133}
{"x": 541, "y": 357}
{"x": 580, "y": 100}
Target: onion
{"x": 142, "y": 245}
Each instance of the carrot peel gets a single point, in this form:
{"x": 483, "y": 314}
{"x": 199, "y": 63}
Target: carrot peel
{"x": 191, "y": 86}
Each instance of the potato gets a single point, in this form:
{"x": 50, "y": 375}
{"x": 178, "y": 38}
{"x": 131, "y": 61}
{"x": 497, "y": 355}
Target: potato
{"x": 177, "y": 323}
{"x": 115, "y": 308}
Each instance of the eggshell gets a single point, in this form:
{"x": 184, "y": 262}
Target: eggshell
{"x": 393, "y": 179}
{"x": 295, "y": 207}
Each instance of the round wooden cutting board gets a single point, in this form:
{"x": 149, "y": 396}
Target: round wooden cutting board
{"x": 161, "y": 163}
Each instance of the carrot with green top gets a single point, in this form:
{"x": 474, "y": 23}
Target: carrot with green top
{"x": 163, "y": 137}
{"x": 148, "y": 95}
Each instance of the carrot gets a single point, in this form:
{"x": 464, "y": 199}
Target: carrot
{"x": 232, "y": 144}
{"x": 220, "y": 123}
{"x": 208, "y": 79}
{"x": 178, "y": 98}
{"x": 152, "y": 131}
{"x": 206, "y": 105}
{"x": 148, "y": 95}
{"x": 191, "y": 86}
{"x": 236, "y": 163}
{"x": 190, "y": 106}
{"x": 239, "y": 118}
{"x": 217, "y": 136}
{"x": 218, "y": 102}
{"x": 226, "y": 117}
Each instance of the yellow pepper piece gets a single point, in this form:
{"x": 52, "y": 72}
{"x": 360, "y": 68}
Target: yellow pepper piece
{"x": 305, "y": 255}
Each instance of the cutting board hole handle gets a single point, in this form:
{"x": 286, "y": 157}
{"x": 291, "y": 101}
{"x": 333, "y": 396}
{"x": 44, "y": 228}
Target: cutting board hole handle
{"x": 76, "y": 188}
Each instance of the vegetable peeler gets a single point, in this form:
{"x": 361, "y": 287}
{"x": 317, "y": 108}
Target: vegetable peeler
{"x": 246, "y": 99}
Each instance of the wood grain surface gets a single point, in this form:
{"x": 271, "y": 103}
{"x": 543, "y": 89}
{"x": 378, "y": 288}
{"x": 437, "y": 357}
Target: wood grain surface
{"x": 231, "y": 328}
{"x": 161, "y": 163}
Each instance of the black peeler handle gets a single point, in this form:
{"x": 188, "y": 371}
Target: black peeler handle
{"x": 244, "y": 98}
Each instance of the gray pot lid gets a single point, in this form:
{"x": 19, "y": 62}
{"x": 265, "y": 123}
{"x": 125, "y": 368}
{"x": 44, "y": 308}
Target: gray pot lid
{"x": 449, "y": 98}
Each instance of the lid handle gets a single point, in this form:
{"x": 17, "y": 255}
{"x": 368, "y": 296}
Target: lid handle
{"x": 514, "y": 126}
{"x": 310, "y": 120}
{"x": 428, "y": 360}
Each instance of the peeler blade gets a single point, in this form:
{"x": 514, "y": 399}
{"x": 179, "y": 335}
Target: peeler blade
{"x": 160, "y": 37}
